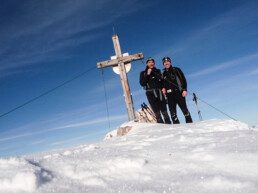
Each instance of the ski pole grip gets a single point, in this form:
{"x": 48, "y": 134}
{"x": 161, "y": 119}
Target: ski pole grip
{"x": 194, "y": 97}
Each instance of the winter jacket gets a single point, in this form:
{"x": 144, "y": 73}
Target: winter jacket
{"x": 174, "y": 79}
{"x": 152, "y": 81}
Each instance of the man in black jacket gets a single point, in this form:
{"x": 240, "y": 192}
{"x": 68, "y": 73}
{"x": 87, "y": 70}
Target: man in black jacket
{"x": 175, "y": 87}
{"x": 150, "y": 79}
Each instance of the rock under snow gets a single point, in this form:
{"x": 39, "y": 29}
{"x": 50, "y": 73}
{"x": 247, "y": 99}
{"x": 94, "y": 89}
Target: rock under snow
{"x": 146, "y": 115}
{"x": 121, "y": 131}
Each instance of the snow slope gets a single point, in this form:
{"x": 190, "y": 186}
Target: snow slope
{"x": 212, "y": 156}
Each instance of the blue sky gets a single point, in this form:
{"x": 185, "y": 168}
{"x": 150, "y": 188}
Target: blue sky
{"x": 44, "y": 43}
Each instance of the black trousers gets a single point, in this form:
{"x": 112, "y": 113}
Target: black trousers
{"x": 158, "y": 104}
{"x": 175, "y": 98}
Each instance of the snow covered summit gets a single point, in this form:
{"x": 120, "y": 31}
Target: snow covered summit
{"x": 211, "y": 156}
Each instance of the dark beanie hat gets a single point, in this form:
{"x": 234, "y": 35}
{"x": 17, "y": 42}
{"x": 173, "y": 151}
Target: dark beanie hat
{"x": 149, "y": 59}
{"x": 166, "y": 59}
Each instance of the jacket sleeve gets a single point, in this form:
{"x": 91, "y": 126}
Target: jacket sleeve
{"x": 163, "y": 81}
{"x": 144, "y": 79}
{"x": 158, "y": 75}
{"x": 182, "y": 78}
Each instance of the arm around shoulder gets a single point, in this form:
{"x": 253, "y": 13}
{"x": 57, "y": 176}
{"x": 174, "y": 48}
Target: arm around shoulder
{"x": 183, "y": 79}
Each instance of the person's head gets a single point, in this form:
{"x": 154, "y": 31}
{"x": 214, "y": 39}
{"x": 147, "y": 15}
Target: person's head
{"x": 150, "y": 62}
{"x": 166, "y": 62}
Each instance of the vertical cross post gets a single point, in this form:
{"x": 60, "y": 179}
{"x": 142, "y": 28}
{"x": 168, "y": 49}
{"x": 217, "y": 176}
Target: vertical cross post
{"x": 120, "y": 61}
{"x": 124, "y": 80}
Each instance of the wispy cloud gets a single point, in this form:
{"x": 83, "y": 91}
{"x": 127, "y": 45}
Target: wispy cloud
{"x": 13, "y": 72}
{"x": 67, "y": 126}
{"x": 110, "y": 84}
{"x": 227, "y": 22}
{"x": 20, "y": 136}
{"x": 44, "y": 28}
{"x": 101, "y": 120}
{"x": 65, "y": 117}
{"x": 78, "y": 138}
{"x": 38, "y": 142}
{"x": 225, "y": 65}
{"x": 224, "y": 92}
{"x": 8, "y": 148}
{"x": 255, "y": 72}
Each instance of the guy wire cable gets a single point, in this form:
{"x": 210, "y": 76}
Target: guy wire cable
{"x": 200, "y": 99}
{"x": 106, "y": 97}
{"x": 216, "y": 109}
{"x": 45, "y": 93}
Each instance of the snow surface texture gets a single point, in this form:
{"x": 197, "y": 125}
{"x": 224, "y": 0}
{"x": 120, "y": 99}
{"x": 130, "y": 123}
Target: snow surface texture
{"x": 212, "y": 156}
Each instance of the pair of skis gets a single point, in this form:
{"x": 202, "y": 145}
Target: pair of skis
{"x": 146, "y": 108}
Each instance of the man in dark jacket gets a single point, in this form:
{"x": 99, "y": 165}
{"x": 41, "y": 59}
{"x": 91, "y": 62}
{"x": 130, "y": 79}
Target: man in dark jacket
{"x": 150, "y": 79}
{"x": 175, "y": 87}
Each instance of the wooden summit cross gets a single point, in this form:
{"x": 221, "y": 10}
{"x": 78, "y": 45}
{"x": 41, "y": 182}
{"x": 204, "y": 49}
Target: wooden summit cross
{"x": 120, "y": 61}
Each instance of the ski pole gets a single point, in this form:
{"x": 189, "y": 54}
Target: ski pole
{"x": 148, "y": 109}
{"x": 199, "y": 112}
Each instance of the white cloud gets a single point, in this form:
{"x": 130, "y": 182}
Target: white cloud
{"x": 223, "y": 23}
{"x": 224, "y": 65}
{"x": 38, "y": 34}
{"x": 255, "y": 72}
{"x": 78, "y": 138}
{"x": 19, "y": 136}
{"x": 110, "y": 84}
{"x": 100, "y": 120}
{"x": 38, "y": 142}
{"x": 74, "y": 125}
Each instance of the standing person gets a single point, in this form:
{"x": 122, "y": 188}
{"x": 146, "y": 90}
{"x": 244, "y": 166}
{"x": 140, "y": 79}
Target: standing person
{"x": 150, "y": 79}
{"x": 175, "y": 87}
